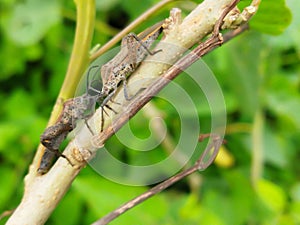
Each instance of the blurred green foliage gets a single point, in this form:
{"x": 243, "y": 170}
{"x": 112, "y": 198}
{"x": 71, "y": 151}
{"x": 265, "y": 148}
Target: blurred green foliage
{"x": 258, "y": 74}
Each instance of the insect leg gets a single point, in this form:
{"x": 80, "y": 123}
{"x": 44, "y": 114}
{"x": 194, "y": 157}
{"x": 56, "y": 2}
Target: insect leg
{"x": 65, "y": 157}
{"x": 127, "y": 97}
{"x": 88, "y": 126}
{"x": 102, "y": 115}
{"x": 143, "y": 45}
{"x": 103, "y": 105}
{"x": 102, "y": 119}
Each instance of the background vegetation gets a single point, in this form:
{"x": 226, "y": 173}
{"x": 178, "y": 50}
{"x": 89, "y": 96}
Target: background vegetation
{"x": 254, "y": 181}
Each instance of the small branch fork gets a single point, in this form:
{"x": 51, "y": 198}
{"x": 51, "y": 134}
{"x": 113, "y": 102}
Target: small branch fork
{"x": 201, "y": 164}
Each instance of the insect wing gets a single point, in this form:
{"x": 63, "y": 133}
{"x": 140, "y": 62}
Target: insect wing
{"x": 115, "y": 64}
{"x": 155, "y": 29}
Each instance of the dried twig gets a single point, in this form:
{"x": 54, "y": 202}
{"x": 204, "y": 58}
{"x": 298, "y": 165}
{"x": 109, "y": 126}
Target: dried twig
{"x": 129, "y": 28}
{"x": 201, "y": 164}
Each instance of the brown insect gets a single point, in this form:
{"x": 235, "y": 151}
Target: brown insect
{"x": 74, "y": 109}
{"x": 133, "y": 51}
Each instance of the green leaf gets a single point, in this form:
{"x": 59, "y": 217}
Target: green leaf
{"x": 283, "y": 99}
{"x": 295, "y": 192}
{"x": 31, "y": 20}
{"x": 241, "y": 70}
{"x": 13, "y": 105}
{"x": 273, "y": 17}
{"x": 272, "y": 195}
{"x": 12, "y": 59}
{"x": 295, "y": 211}
{"x": 8, "y": 134}
{"x": 292, "y": 34}
{"x": 71, "y": 205}
{"x": 192, "y": 212}
{"x": 21, "y": 126}
{"x": 275, "y": 148}
{"x": 7, "y": 182}
{"x": 233, "y": 202}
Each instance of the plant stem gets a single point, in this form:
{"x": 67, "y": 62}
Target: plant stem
{"x": 82, "y": 42}
{"x": 36, "y": 208}
{"x": 129, "y": 28}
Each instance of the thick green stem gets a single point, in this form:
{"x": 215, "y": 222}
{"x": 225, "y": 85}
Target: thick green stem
{"x": 45, "y": 202}
{"x": 82, "y": 43}
{"x": 80, "y": 53}
{"x": 78, "y": 62}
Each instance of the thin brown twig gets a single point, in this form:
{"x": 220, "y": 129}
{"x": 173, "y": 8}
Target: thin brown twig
{"x": 199, "y": 165}
{"x": 129, "y": 28}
